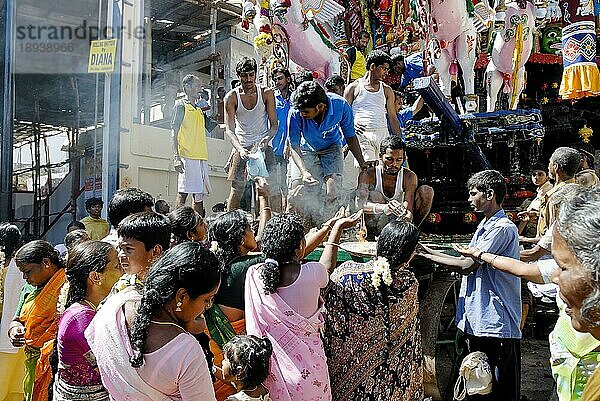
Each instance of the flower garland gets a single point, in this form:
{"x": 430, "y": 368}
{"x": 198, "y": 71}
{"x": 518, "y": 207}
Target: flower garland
{"x": 61, "y": 304}
{"x": 214, "y": 245}
{"x": 381, "y": 271}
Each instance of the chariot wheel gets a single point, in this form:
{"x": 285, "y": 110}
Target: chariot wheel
{"x": 441, "y": 346}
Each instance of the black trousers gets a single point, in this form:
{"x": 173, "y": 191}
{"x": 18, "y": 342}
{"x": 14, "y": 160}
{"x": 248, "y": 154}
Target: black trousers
{"x": 504, "y": 355}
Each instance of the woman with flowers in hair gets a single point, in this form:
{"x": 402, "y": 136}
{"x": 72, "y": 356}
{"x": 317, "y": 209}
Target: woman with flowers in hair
{"x": 372, "y": 338}
{"x": 283, "y": 304}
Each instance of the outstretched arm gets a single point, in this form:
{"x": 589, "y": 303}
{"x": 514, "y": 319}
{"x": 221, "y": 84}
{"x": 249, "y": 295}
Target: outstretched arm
{"x": 262, "y": 189}
{"x": 313, "y": 239}
{"x": 458, "y": 264}
{"x": 329, "y": 255}
{"x": 528, "y": 271}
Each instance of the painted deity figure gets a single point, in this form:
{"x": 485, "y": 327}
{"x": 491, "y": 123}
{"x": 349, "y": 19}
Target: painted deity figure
{"x": 448, "y": 25}
{"x": 511, "y": 50}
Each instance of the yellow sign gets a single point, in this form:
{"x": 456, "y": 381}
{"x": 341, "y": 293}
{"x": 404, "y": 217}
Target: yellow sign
{"x": 102, "y": 55}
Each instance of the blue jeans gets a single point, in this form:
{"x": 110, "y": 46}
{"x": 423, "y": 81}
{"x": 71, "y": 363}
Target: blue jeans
{"x": 325, "y": 162}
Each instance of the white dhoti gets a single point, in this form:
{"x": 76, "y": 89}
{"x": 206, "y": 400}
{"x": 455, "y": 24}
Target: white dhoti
{"x": 194, "y": 179}
{"x": 369, "y": 140}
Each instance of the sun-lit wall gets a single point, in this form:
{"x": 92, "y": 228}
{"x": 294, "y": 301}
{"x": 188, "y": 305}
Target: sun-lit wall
{"x": 146, "y": 162}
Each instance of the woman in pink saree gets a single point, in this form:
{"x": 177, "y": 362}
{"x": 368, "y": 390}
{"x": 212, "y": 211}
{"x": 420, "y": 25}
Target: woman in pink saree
{"x": 283, "y": 303}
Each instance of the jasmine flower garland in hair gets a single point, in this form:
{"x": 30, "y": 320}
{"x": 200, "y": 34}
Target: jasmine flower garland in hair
{"x": 381, "y": 271}
{"x": 214, "y": 245}
{"x": 61, "y": 305}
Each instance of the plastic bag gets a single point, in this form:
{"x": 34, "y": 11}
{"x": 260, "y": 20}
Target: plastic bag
{"x": 256, "y": 165}
{"x": 474, "y": 376}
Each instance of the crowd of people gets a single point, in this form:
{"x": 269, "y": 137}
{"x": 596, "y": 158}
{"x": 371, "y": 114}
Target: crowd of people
{"x": 155, "y": 304}
{"x": 183, "y": 307}
{"x": 313, "y": 126}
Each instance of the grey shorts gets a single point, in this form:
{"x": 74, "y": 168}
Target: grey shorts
{"x": 324, "y": 163}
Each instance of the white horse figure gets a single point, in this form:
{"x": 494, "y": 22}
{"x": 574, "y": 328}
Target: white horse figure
{"x": 447, "y": 23}
{"x": 306, "y": 48}
{"x": 512, "y": 48}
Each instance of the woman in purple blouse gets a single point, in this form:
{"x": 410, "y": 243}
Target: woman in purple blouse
{"x": 92, "y": 269}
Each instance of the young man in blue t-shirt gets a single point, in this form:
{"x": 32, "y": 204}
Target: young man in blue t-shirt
{"x": 318, "y": 122}
{"x": 489, "y": 304}
{"x": 278, "y": 161}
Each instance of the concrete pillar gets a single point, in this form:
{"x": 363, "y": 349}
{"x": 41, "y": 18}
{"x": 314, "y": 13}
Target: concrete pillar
{"x": 6, "y": 111}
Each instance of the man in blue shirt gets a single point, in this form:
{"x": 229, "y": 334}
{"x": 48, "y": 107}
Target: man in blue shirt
{"x": 410, "y": 67}
{"x": 278, "y": 161}
{"x": 489, "y": 303}
{"x": 405, "y": 113}
{"x": 318, "y": 122}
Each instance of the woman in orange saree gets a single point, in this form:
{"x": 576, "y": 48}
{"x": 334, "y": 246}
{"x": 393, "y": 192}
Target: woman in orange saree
{"x": 36, "y": 320}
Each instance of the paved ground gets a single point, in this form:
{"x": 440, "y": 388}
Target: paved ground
{"x": 536, "y": 383}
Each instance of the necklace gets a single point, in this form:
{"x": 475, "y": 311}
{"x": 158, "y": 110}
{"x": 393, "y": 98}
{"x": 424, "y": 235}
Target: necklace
{"x": 167, "y": 324}
{"x": 90, "y": 304}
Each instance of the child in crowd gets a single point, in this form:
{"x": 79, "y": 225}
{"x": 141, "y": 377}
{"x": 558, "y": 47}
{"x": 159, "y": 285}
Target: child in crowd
{"x": 72, "y": 226}
{"x": 186, "y": 225}
{"x": 246, "y": 366}
{"x": 529, "y": 217}
{"x": 143, "y": 238}
{"x": 125, "y": 202}
{"x": 95, "y": 225}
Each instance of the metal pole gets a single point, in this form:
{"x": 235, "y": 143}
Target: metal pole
{"x": 147, "y": 81}
{"x": 112, "y": 110}
{"x": 213, "y": 57}
{"x": 95, "y": 157}
{"x": 7, "y": 128}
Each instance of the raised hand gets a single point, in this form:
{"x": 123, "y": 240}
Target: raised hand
{"x": 466, "y": 250}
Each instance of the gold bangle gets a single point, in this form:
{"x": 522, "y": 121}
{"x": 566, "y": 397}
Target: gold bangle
{"x": 331, "y": 243}
{"x": 265, "y": 208}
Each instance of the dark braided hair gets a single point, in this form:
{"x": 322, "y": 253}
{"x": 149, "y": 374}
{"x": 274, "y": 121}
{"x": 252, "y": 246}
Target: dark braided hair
{"x": 84, "y": 258}
{"x": 397, "y": 243}
{"x": 282, "y": 237}
{"x": 249, "y": 358}
{"x": 10, "y": 238}
{"x": 183, "y": 220}
{"x": 189, "y": 266}
{"x": 36, "y": 251}
{"x": 228, "y": 230}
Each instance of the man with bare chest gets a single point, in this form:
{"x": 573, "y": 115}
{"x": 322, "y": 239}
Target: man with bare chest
{"x": 372, "y": 102}
{"x": 250, "y": 123}
{"x": 389, "y": 191}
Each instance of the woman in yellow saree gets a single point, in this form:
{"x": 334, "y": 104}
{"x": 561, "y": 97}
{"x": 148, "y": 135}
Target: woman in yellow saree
{"x": 36, "y": 320}
{"x": 11, "y": 282}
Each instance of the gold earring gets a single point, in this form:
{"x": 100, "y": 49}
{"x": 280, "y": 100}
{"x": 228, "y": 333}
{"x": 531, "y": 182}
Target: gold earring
{"x": 99, "y": 283}
{"x": 178, "y": 309}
